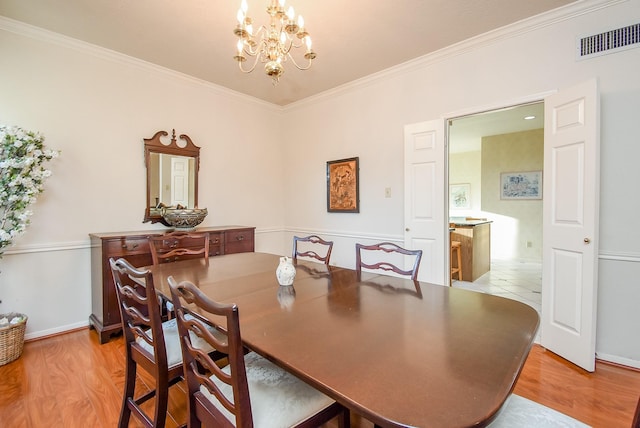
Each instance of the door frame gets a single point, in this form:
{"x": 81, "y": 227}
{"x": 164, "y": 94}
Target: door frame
{"x": 471, "y": 111}
{"x": 578, "y": 360}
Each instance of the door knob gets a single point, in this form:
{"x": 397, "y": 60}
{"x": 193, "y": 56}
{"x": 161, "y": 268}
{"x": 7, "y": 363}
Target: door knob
{"x": 407, "y": 229}
{"x": 587, "y": 240}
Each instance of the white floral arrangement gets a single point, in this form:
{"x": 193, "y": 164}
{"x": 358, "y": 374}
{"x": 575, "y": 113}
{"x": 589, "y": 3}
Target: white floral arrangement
{"x": 22, "y": 177}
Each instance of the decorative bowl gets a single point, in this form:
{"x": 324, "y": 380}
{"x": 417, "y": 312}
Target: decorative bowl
{"x": 187, "y": 218}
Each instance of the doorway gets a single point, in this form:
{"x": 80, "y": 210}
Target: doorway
{"x": 485, "y": 151}
{"x": 570, "y": 213}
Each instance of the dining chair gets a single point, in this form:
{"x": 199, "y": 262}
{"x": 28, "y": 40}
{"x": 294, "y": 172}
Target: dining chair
{"x": 175, "y": 246}
{"x": 149, "y": 343}
{"x": 178, "y": 245}
{"x": 636, "y": 417}
{"x": 392, "y": 249}
{"x": 250, "y": 390}
{"x": 315, "y": 241}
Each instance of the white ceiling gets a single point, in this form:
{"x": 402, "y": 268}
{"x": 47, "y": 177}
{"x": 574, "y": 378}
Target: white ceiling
{"x": 352, "y": 39}
{"x": 465, "y": 133}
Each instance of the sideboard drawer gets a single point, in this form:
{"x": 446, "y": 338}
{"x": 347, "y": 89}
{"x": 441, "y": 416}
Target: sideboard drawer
{"x": 127, "y": 246}
{"x": 216, "y": 244}
{"x": 239, "y": 241}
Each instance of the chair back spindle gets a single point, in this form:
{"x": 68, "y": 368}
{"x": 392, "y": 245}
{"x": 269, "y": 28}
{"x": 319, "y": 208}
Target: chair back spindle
{"x": 179, "y": 245}
{"x": 307, "y": 242}
{"x": 388, "y": 248}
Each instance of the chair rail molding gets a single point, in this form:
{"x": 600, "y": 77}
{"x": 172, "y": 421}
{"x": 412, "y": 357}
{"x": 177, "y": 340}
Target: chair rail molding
{"x": 48, "y": 247}
{"x": 619, "y": 256}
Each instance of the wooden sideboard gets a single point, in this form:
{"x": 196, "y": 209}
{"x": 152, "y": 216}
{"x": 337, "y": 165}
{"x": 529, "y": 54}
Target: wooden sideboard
{"x": 134, "y": 246}
{"x": 475, "y": 240}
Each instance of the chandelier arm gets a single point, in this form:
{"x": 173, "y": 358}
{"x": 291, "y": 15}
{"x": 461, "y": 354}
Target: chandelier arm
{"x": 293, "y": 60}
{"x": 292, "y": 43}
{"x": 258, "y": 46}
{"x": 255, "y": 62}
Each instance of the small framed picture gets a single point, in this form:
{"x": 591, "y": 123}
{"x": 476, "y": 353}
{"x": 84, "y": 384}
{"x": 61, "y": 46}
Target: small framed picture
{"x": 521, "y": 185}
{"x": 343, "y": 195}
{"x": 460, "y": 196}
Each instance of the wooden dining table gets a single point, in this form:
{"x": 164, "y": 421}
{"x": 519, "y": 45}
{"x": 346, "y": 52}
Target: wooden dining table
{"x": 398, "y": 352}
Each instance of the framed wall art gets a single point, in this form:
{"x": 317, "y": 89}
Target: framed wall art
{"x": 521, "y": 185}
{"x": 343, "y": 195}
{"x": 459, "y": 196}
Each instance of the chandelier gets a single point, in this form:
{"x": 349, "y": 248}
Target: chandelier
{"x": 272, "y": 45}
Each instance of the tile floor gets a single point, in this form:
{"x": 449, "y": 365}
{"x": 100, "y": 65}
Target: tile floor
{"x": 512, "y": 279}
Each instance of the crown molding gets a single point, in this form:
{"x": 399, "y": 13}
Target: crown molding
{"x": 47, "y": 36}
{"x": 524, "y": 26}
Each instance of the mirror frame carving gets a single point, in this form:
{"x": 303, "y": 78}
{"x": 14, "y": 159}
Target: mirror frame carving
{"x": 154, "y": 145}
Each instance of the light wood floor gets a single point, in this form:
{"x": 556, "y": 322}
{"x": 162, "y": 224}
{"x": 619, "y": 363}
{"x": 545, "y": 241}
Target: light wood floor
{"x": 72, "y": 381}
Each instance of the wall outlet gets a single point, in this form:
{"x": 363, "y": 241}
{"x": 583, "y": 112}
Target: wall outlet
{"x": 387, "y": 192}
{"x": 529, "y": 244}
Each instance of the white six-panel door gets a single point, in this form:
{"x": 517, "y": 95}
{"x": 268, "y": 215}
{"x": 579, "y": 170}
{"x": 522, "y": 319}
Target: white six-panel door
{"x": 570, "y": 223}
{"x": 424, "y": 212}
{"x": 180, "y": 181}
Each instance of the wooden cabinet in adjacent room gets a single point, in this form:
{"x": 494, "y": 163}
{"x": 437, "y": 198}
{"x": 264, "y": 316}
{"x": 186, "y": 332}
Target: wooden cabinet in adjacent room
{"x": 475, "y": 240}
{"x": 134, "y": 247}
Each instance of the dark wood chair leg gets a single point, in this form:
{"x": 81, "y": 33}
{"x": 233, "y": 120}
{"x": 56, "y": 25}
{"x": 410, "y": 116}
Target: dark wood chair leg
{"x": 129, "y": 388}
{"x": 344, "y": 419}
{"x": 162, "y": 400}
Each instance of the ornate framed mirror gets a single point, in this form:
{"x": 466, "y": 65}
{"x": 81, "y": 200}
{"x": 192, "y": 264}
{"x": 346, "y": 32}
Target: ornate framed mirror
{"x": 172, "y": 174}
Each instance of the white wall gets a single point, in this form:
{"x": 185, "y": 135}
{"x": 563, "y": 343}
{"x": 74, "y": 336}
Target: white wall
{"x": 515, "y": 223}
{"x": 98, "y": 107}
{"x": 466, "y": 167}
{"x": 498, "y": 69}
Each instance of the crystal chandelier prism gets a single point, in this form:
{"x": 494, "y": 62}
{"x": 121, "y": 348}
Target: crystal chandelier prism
{"x": 274, "y": 44}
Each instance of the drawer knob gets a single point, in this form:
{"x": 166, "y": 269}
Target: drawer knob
{"x": 129, "y": 247}
{"x": 240, "y": 238}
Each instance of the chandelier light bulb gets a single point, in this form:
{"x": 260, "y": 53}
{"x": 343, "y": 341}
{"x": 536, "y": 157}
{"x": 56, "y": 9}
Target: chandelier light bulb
{"x": 300, "y": 22}
{"x": 281, "y": 2}
{"x": 244, "y": 6}
{"x": 240, "y": 45}
{"x": 283, "y": 37}
{"x": 240, "y": 16}
{"x": 308, "y": 42}
{"x": 291, "y": 13}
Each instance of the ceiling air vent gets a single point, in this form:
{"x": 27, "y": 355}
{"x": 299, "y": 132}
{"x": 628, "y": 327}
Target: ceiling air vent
{"x": 608, "y": 42}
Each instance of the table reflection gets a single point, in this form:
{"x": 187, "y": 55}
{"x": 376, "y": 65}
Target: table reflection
{"x": 286, "y": 296}
{"x": 392, "y": 285}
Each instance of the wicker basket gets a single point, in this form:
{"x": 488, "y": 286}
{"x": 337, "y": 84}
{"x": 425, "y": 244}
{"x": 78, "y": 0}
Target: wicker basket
{"x": 12, "y": 338}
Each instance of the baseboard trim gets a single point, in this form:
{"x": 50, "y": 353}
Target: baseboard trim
{"x": 44, "y": 334}
{"x": 618, "y": 361}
